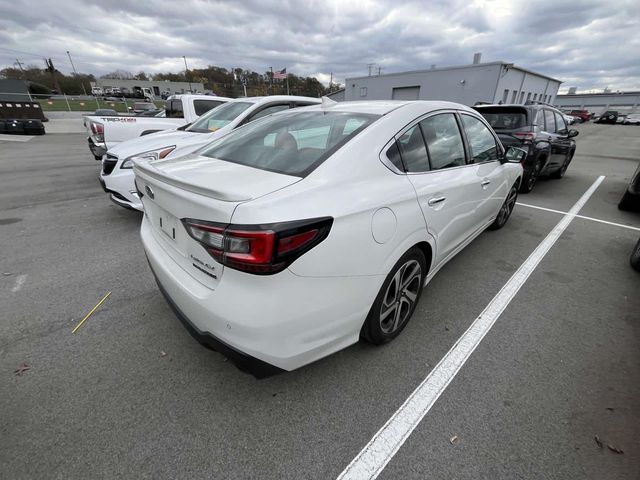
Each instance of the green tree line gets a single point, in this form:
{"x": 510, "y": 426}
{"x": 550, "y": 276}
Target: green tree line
{"x": 222, "y": 81}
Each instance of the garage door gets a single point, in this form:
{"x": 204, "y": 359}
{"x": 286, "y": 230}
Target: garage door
{"x": 406, "y": 93}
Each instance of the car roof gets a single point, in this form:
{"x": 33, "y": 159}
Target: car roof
{"x": 277, "y": 98}
{"x": 383, "y": 107}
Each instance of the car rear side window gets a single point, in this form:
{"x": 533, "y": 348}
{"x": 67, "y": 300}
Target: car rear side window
{"x": 203, "y": 106}
{"x": 549, "y": 122}
{"x": 444, "y": 141}
{"x": 173, "y": 109}
{"x": 294, "y": 143}
{"x": 481, "y": 141}
{"x": 393, "y": 154}
{"x": 413, "y": 150}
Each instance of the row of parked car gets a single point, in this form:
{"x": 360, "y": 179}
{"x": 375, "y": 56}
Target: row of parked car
{"x": 258, "y": 207}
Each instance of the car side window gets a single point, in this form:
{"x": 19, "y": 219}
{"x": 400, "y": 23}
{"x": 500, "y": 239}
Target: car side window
{"x": 444, "y": 141}
{"x": 481, "y": 140}
{"x": 413, "y": 150}
{"x": 268, "y": 111}
{"x": 549, "y": 122}
{"x": 393, "y": 154}
{"x": 173, "y": 109}
{"x": 203, "y": 106}
{"x": 561, "y": 124}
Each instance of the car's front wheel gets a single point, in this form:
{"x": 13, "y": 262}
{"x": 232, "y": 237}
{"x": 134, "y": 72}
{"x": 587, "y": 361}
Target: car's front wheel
{"x": 505, "y": 210}
{"x": 397, "y": 299}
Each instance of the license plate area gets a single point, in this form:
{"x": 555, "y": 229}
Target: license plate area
{"x": 168, "y": 223}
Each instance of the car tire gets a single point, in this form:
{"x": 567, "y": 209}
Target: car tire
{"x": 635, "y": 257}
{"x": 397, "y": 299}
{"x": 558, "y": 174}
{"x": 628, "y": 203}
{"x": 530, "y": 178}
{"x": 505, "y": 210}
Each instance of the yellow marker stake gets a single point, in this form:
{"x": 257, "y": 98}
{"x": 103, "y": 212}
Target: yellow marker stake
{"x": 92, "y": 310}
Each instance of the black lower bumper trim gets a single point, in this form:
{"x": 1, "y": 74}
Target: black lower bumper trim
{"x": 244, "y": 362}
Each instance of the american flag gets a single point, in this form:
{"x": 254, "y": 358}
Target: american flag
{"x": 280, "y": 75}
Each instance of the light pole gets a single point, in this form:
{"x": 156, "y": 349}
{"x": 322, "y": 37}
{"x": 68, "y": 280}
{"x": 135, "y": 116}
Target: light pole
{"x": 186, "y": 73}
{"x": 74, "y": 71}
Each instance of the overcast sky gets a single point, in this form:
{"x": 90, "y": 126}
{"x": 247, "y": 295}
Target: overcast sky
{"x": 590, "y": 44}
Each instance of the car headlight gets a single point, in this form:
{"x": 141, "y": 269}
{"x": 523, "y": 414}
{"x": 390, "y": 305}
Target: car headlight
{"x": 157, "y": 154}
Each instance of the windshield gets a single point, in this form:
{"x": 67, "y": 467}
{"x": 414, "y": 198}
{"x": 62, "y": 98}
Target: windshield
{"x": 218, "y": 117}
{"x": 294, "y": 143}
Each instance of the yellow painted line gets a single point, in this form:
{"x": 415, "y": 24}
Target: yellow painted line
{"x": 92, "y": 310}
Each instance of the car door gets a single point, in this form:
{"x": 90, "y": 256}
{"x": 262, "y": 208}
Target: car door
{"x": 485, "y": 152}
{"x": 447, "y": 188}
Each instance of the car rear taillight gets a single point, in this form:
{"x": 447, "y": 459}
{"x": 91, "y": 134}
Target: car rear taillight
{"x": 98, "y": 130}
{"x": 526, "y": 137}
{"x": 258, "y": 249}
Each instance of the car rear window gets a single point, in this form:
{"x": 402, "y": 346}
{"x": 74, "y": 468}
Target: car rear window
{"x": 505, "y": 119}
{"x": 292, "y": 143}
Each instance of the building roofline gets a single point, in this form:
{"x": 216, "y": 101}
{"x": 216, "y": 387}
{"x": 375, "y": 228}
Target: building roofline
{"x": 458, "y": 67}
{"x": 597, "y": 94}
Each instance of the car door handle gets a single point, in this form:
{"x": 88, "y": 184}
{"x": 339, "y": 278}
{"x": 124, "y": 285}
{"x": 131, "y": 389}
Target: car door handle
{"x": 436, "y": 200}
{"x": 485, "y": 182}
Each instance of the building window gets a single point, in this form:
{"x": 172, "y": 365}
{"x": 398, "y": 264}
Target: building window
{"x": 528, "y": 96}
{"x": 535, "y": 96}
{"x": 363, "y": 91}
{"x": 514, "y": 96}
{"x": 521, "y": 97}
{"x": 505, "y": 95}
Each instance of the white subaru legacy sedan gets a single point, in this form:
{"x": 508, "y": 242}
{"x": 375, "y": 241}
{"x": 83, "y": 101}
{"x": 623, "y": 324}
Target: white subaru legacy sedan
{"x": 295, "y": 236}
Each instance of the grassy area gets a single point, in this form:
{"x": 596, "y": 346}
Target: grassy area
{"x": 58, "y": 105}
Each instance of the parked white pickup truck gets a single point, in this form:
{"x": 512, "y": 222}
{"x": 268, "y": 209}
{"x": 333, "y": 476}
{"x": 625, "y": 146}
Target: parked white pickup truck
{"x": 107, "y": 131}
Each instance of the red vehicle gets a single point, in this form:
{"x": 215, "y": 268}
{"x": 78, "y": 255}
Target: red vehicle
{"x": 583, "y": 115}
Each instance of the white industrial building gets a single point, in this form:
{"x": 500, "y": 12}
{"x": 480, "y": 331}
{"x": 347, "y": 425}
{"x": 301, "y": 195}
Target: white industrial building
{"x": 492, "y": 82}
{"x": 623, "y": 102}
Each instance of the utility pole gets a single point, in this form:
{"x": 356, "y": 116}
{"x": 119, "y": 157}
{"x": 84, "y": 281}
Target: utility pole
{"x": 330, "y": 82}
{"x": 20, "y": 67}
{"x": 271, "y": 68}
{"x": 379, "y": 70}
{"x": 74, "y": 71}
{"x": 370, "y": 66}
{"x": 186, "y": 73}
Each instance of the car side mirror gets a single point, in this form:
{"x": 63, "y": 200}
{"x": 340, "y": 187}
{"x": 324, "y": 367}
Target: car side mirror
{"x": 514, "y": 155}
{"x": 573, "y": 133}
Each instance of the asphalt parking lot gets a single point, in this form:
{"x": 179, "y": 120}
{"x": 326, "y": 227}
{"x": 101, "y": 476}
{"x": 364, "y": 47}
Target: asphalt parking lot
{"x": 132, "y": 395}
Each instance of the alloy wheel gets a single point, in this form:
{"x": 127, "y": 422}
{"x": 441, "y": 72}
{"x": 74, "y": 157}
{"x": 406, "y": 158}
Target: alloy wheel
{"x": 400, "y": 298}
{"x": 507, "y": 206}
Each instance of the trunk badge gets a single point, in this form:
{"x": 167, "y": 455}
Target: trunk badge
{"x": 147, "y": 189}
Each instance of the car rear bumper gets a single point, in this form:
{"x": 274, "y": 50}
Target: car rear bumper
{"x": 283, "y": 320}
{"x": 97, "y": 149}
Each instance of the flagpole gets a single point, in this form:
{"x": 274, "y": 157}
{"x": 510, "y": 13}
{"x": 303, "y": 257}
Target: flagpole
{"x": 287, "y": 84}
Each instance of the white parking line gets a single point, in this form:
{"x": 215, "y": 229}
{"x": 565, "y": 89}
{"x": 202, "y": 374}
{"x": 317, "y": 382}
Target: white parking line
{"x": 579, "y": 216}
{"x": 15, "y": 138}
{"x": 20, "y": 279}
{"x": 385, "y": 443}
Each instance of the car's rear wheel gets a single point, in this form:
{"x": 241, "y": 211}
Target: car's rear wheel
{"x": 530, "y": 178}
{"x": 635, "y": 257}
{"x": 505, "y": 210}
{"x": 558, "y": 174}
{"x": 397, "y": 299}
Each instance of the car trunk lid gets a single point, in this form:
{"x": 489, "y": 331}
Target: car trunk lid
{"x": 202, "y": 189}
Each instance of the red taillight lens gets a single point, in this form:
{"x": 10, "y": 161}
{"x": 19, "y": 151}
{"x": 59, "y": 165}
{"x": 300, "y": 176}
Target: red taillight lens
{"x": 259, "y": 249}
{"x": 525, "y": 136}
{"x": 98, "y": 130}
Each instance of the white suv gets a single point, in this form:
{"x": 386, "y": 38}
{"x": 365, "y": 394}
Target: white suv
{"x": 293, "y": 237}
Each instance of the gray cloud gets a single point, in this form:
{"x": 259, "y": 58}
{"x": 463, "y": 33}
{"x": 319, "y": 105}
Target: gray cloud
{"x": 590, "y": 43}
